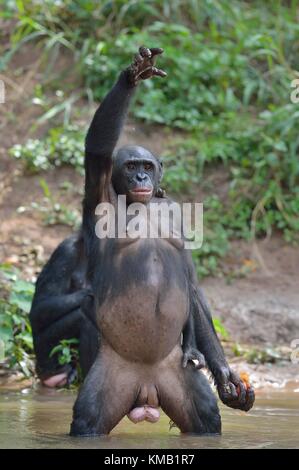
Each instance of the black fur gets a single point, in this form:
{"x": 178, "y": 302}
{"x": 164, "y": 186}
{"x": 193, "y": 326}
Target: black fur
{"x": 57, "y": 313}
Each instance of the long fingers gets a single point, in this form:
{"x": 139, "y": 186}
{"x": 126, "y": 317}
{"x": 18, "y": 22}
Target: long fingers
{"x": 156, "y": 51}
{"x": 158, "y": 72}
{"x": 150, "y": 54}
{"x": 145, "y": 52}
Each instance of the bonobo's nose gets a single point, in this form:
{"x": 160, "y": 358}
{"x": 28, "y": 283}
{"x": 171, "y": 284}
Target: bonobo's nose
{"x": 141, "y": 176}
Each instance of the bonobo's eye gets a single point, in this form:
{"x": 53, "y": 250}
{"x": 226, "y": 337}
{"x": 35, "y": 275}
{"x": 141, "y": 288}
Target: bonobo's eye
{"x": 131, "y": 166}
{"x": 148, "y": 166}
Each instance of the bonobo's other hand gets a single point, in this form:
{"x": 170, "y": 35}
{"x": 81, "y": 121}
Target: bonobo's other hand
{"x": 143, "y": 66}
{"x": 232, "y": 391}
{"x": 191, "y": 354}
{"x": 87, "y": 306}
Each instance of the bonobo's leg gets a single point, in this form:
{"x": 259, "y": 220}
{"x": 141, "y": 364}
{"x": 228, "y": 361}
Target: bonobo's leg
{"x": 106, "y": 396}
{"x": 187, "y": 398}
{"x": 73, "y": 325}
{"x": 88, "y": 345}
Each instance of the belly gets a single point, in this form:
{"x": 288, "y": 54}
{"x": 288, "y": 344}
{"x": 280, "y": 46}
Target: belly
{"x": 145, "y": 321}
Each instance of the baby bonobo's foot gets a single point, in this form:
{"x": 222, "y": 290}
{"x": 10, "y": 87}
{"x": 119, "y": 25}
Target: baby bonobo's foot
{"x": 63, "y": 379}
{"x": 59, "y": 380}
{"x": 144, "y": 413}
{"x": 190, "y": 355}
{"x": 143, "y": 66}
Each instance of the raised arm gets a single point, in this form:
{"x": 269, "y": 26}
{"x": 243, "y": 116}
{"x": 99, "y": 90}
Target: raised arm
{"x": 106, "y": 127}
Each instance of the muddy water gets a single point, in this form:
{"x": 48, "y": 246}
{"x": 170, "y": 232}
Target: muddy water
{"x": 41, "y": 419}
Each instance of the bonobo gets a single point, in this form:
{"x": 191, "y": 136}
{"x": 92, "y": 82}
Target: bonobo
{"x": 146, "y": 295}
{"x": 60, "y": 300}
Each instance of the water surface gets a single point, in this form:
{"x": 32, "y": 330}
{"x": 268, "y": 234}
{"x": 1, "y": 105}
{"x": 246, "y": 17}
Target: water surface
{"x": 41, "y": 419}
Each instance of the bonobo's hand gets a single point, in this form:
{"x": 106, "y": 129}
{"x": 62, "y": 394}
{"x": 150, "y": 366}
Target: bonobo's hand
{"x": 232, "y": 391}
{"x": 81, "y": 294}
{"x": 143, "y": 66}
{"x": 88, "y": 307}
{"x": 190, "y": 354}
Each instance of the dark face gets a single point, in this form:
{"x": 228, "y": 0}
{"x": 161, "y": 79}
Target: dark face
{"x": 136, "y": 173}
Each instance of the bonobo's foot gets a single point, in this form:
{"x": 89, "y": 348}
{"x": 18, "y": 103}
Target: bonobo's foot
{"x": 143, "y": 66}
{"x": 144, "y": 413}
{"x": 232, "y": 391}
{"x": 59, "y": 380}
{"x": 62, "y": 379}
{"x": 191, "y": 355}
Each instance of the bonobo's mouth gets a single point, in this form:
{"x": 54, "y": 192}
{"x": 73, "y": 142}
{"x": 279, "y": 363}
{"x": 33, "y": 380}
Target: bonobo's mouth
{"x": 141, "y": 194}
{"x": 142, "y": 191}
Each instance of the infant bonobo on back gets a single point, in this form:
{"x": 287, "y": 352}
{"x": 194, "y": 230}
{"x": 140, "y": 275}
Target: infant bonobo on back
{"x": 146, "y": 295}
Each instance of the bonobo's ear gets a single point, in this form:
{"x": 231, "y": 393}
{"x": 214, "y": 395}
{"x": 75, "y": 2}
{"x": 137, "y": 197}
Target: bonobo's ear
{"x": 161, "y": 170}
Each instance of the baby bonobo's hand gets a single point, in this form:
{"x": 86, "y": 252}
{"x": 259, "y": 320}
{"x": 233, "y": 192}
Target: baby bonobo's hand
{"x": 143, "y": 66}
{"x": 190, "y": 355}
{"x": 234, "y": 392}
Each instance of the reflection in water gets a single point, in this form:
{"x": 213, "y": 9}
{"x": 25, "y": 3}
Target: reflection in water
{"x": 41, "y": 419}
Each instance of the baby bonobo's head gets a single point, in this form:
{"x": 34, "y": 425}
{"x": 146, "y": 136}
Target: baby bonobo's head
{"x": 136, "y": 173}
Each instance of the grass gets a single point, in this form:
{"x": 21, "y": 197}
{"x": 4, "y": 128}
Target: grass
{"x": 230, "y": 67}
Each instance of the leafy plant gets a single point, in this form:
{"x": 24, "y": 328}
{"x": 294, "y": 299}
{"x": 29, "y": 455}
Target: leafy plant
{"x": 53, "y": 212}
{"x": 67, "y": 351}
{"x": 62, "y": 146}
{"x": 220, "y": 328}
{"x": 15, "y": 330}
{"x": 230, "y": 65}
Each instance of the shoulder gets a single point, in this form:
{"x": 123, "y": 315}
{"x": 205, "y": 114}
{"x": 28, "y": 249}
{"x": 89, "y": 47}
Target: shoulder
{"x": 69, "y": 247}
{"x": 65, "y": 256}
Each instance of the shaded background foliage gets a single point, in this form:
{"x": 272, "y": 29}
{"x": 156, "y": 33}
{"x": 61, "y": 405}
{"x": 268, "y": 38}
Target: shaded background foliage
{"x": 230, "y": 65}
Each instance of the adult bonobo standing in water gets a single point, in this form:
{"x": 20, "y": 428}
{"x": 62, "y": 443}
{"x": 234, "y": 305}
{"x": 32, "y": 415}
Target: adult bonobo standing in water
{"x": 146, "y": 293}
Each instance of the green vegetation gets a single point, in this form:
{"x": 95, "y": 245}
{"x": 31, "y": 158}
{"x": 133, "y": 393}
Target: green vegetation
{"x": 15, "y": 331}
{"x": 66, "y": 351}
{"x": 53, "y": 212}
{"x": 230, "y": 65}
{"x": 16, "y": 348}
{"x": 62, "y": 146}
{"x": 261, "y": 355}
